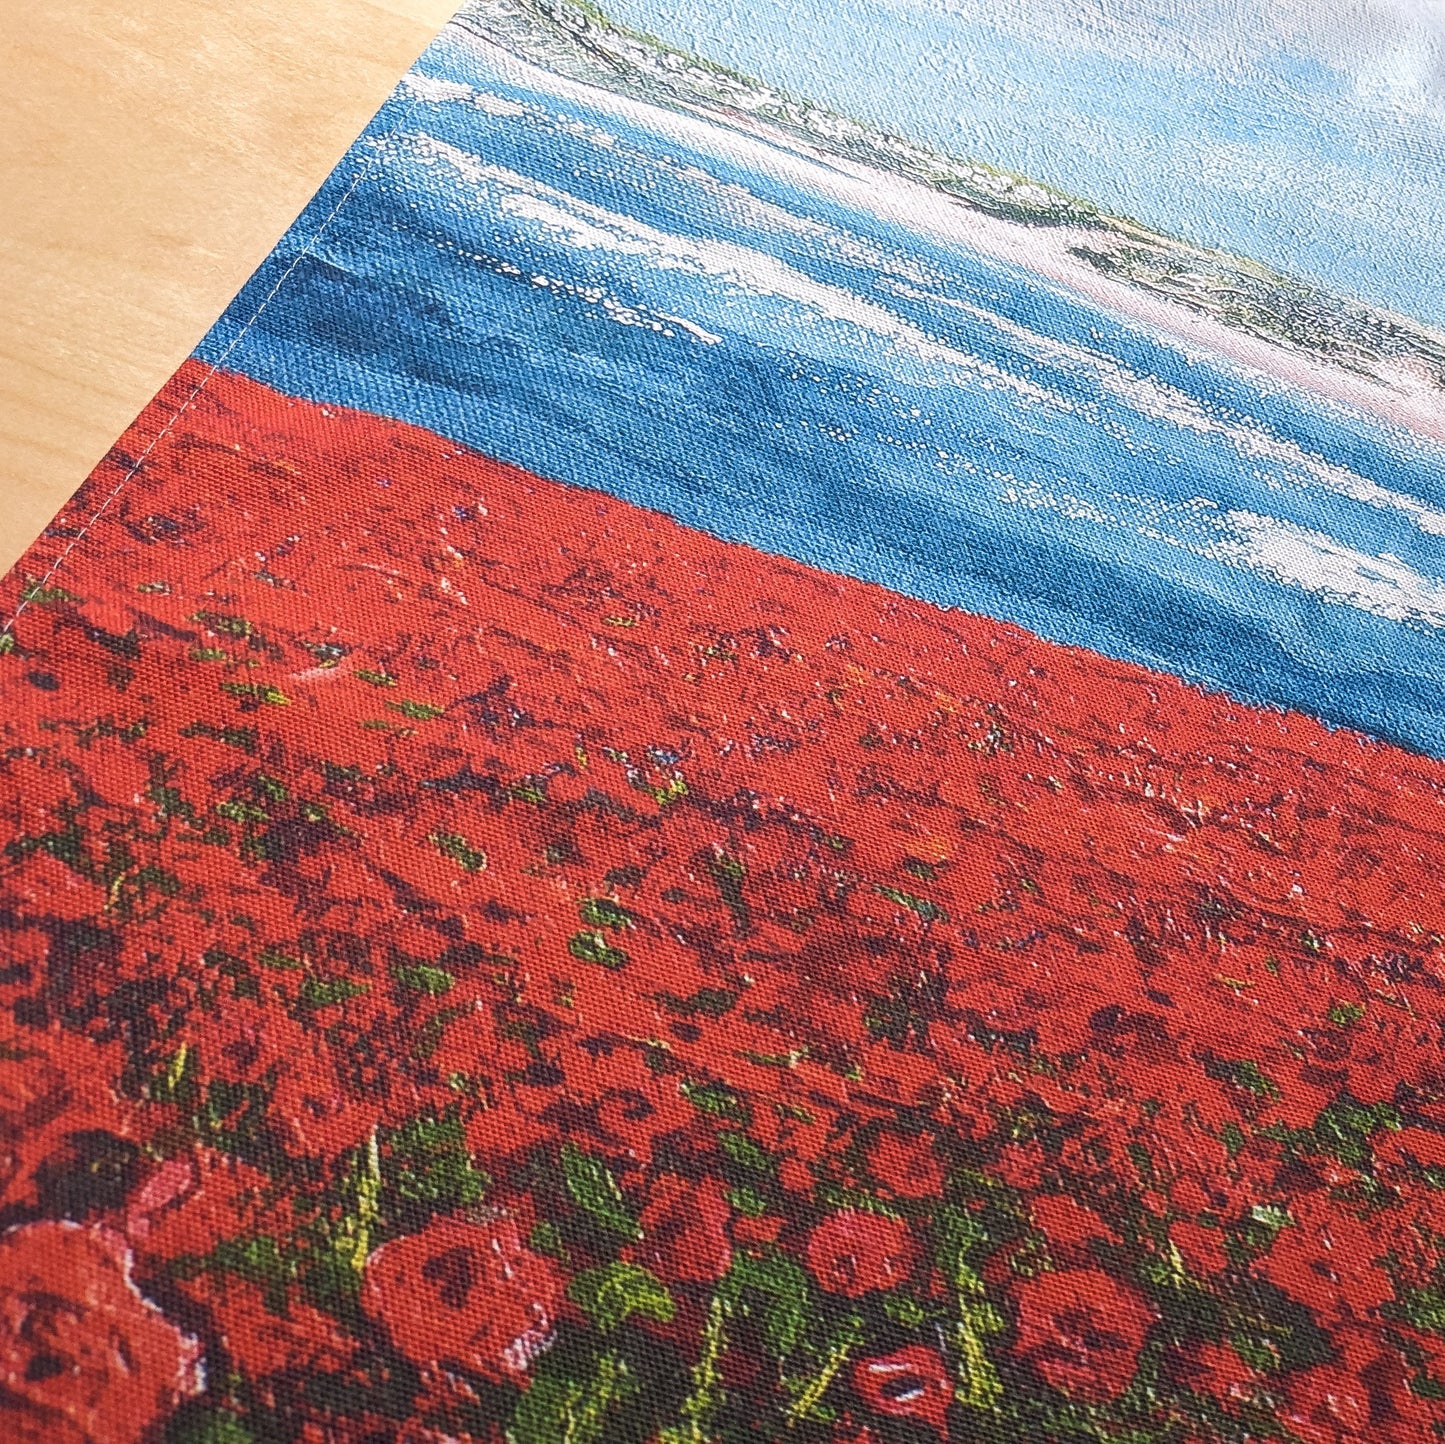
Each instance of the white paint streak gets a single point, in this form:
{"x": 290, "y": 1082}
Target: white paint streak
{"x": 582, "y": 225}
{"x": 1300, "y": 557}
{"x": 1043, "y": 251}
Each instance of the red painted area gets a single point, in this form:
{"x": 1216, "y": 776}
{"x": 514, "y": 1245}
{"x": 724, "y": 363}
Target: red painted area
{"x": 351, "y": 779}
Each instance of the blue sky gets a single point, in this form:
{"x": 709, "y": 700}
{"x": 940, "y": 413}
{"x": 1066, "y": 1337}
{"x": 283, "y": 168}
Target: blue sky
{"x": 1307, "y": 133}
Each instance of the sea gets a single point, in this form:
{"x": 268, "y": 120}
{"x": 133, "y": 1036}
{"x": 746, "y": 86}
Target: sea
{"x": 674, "y": 311}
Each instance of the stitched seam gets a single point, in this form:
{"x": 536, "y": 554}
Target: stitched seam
{"x": 361, "y": 174}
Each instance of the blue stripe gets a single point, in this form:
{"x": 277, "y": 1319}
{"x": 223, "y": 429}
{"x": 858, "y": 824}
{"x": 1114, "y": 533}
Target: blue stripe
{"x": 602, "y": 302}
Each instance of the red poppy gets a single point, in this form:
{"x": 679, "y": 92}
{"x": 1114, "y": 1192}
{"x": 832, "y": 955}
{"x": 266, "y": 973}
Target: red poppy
{"x": 1416, "y": 1145}
{"x": 848, "y": 1433}
{"x": 465, "y": 1291}
{"x": 1219, "y": 1370}
{"x": 1328, "y": 1404}
{"x": 189, "y": 1205}
{"x": 51, "y": 1087}
{"x": 852, "y": 1253}
{"x": 907, "y": 1167}
{"x": 163, "y": 1190}
{"x": 795, "y": 1176}
{"x": 83, "y": 1356}
{"x": 1202, "y": 1248}
{"x": 685, "y": 1231}
{"x": 909, "y": 1384}
{"x": 311, "y": 1044}
{"x": 1081, "y": 1331}
{"x": 1329, "y": 1259}
{"x": 262, "y": 1342}
{"x": 757, "y": 1230}
{"x": 1066, "y": 1224}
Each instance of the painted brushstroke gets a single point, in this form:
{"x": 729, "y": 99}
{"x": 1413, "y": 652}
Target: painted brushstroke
{"x": 507, "y": 947}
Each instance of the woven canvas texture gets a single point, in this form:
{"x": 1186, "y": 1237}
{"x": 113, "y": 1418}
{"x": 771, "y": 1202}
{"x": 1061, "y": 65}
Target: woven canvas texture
{"x": 714, "y": 775}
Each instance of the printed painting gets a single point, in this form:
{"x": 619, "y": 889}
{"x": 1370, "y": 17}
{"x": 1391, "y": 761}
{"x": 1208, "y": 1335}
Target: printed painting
{"x": 756, "y": 752}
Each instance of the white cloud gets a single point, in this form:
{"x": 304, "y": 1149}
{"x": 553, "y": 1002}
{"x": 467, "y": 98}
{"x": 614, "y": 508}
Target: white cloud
{"x": 1393, "y": 50}
{"x": 1334, "y": 572}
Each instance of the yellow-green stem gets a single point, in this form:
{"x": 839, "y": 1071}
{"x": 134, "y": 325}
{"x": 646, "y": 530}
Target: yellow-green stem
{"x": 368, "y": 1204}
{"x": 808, "y": 1400}
{"x": 981, "y": 1387}
{"x": 702, "y": 1403}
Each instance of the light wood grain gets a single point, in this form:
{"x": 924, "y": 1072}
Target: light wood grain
{"x": 154, "y": 151}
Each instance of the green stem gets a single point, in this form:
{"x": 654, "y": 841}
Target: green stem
{"x": 699, "y": 1406}
{"x": 843, "y": 1345}
{"x": 355, "y": 1242}
{"x": 979, "y": 1386}
{"x": 587, "y": 1416}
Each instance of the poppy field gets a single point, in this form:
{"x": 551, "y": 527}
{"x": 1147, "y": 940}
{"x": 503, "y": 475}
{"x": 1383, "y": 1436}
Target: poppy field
{"x": 482, "y": 961}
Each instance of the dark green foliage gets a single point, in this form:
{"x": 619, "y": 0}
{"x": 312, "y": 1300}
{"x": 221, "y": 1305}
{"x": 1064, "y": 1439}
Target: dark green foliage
{"x": 719, "y": 1100}
{"x": 612, "y": 1293}
{"x": 1273, "y": 1332}
{"x": 568, "y": 1405}
{"x": 775, "y": 1291}
{"x": 422, "y": 978}
{"x": 594, "y": 948}
{"x": 727, "y": 873}
{"x": 207, "y": 1425}
{"x": 591, "y": 1186}
{"x": 427, "y": 1169}
{"x": 709, "y": 1002}
{"x": 602, "y": 912}
{"x": 929, "y": 912}
{"x": 1343, "y": 1127}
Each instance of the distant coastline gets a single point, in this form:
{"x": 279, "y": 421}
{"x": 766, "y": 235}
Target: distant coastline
{"x": 1334, "y": 347}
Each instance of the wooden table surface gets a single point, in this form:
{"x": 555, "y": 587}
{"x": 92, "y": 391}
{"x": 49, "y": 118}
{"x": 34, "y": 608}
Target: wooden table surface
{"x": 154, "y": 151}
